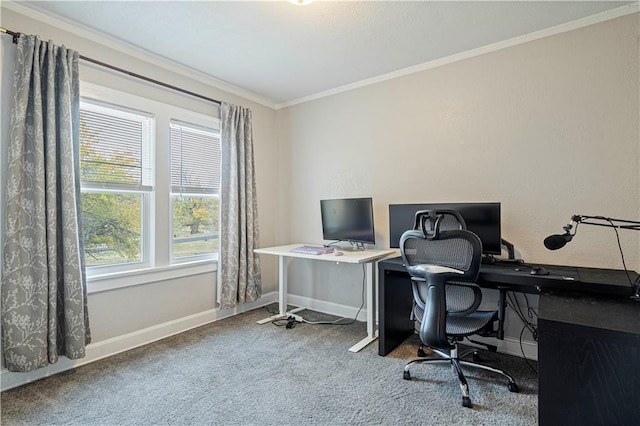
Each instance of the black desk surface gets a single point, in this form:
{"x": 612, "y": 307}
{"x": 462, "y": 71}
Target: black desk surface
{"x": 590, "y": 310}
{"x": 518, "y": 278}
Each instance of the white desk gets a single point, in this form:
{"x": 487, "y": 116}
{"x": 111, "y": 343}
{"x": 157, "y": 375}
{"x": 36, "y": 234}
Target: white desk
{"x": 368, "y": 257}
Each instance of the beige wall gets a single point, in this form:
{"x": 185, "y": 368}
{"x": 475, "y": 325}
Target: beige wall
{"x": 549, "y": 128}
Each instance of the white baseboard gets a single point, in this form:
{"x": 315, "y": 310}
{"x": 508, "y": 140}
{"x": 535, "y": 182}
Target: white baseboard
{"x": 327, "y": 307}
{"x": 109, "y": 347}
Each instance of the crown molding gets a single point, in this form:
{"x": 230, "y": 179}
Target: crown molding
{"x": 562, "y": 28}
{"x": 131, "y": 50}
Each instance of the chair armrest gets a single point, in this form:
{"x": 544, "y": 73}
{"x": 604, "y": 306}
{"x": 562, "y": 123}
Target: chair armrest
{"x": 422, "y": 269}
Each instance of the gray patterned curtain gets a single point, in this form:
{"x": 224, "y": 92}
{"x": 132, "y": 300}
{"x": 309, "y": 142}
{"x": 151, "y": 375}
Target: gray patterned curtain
{"x": 239, "y": 267}
{"x": 44, "y": 298}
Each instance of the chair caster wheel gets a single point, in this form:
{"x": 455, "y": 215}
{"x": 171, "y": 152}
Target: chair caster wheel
{"x": 513, "y": 387}
{"x": 406, "y": 375}
{"x": 466, "y": 402}
{"x": 421, "y": 352}
{"x": 476, "y": 357}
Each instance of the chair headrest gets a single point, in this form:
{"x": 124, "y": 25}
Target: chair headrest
{"x": 432, "y": 222}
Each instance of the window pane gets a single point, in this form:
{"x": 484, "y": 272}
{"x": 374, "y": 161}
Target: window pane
{"x": 195, "y": 159}
{"x": 195, "y": 225}
{"x": 112, "y": 227}
{"x": 115, "y": 146}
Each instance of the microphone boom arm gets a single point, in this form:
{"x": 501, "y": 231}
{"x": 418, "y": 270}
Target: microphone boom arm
{"x": 554, "y": 242}
{"x": 610, "y": 222}
{"x": 607, "y": 222}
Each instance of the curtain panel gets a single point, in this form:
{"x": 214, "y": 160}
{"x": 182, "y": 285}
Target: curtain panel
{"x": 44, "y": 298}
{"x": 239, "y": 279}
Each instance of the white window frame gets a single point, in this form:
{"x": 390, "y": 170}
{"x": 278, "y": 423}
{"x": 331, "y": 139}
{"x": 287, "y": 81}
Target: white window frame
{"x": 145, "y": 191}
{"x": 159, "y": 265}
{"x": 200, "y": 125}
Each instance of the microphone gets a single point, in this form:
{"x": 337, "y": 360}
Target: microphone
{"x": 557, "y": 241}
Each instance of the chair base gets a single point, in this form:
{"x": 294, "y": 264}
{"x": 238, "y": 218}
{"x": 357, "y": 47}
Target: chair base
{"x": 456, "y": 363}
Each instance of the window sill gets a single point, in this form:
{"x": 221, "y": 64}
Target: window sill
{"x": 111, "y": 281}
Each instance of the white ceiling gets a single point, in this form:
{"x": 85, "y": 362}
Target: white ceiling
{"x": 282, "y": 53}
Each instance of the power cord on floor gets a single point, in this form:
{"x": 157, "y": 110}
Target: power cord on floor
{"x": 291, "y": 322}
{"x": 270, "y": 311}
{"x": 288, "y": 323}
{"x": 352, "y": 320}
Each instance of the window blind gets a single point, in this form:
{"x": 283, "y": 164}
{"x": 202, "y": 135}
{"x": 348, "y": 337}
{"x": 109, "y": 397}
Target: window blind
{"x": 115, "y": 146}
{"x": 195, "y": 159}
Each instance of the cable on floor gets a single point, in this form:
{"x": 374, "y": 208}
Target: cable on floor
{"x": 352, "y": 320}
{"x": 291, "y": 322}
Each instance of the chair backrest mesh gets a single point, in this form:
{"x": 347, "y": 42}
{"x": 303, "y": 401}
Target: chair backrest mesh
{"x": 459, "y": 297}
{"x": 450, "y": 222}
{"x": 454, "y": 253}
{"x": 445, "y": 220}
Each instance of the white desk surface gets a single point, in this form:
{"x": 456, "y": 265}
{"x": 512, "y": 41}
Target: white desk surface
{"x": 359, "y": 256}
{"x": 367, "y": 257}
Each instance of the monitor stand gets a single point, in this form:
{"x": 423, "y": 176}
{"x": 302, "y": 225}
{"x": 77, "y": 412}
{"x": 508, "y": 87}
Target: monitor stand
{"x": 353, "y": 246}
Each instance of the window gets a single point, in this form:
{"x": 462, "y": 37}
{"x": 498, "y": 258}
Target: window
{"x": 195, "y": 184}
{"x": 150, "y": 179}
{"x": 116, "y": 175}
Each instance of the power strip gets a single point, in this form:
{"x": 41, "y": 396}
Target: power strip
{"x": 295, "y": 317}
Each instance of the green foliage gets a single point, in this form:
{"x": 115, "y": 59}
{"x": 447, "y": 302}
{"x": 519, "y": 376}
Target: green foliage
{"x": 194, "y": 213}
{"x": 195, "y": 225}
{"x": 112, "y": 224}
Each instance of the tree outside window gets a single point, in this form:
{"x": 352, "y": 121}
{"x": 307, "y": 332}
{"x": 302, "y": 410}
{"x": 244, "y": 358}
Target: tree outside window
{"x": 195, "y": 182}
{"x": 112, "y": 163}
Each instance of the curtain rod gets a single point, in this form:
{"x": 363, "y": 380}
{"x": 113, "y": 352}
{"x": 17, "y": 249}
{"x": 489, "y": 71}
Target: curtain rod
{"x": 16, "y": 35}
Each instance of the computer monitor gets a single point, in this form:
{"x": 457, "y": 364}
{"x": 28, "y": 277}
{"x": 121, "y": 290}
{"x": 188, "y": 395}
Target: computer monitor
{"x": 483, "y": 219}
{"x": 348, "y": 219}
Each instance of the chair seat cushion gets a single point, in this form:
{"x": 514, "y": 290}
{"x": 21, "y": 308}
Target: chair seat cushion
{"x": 462, "y": 326}
{"x": 471, "y": 324}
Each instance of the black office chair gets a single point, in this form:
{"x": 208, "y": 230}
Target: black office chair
{"x": 443, "y": 260}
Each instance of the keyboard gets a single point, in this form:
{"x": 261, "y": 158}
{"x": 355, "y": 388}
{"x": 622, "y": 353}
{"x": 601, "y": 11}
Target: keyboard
{"x": 312, "y": 250}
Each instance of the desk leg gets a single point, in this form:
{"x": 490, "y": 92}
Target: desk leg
{"x": 502, "y": 304}
{"x": 372, "y": 333}
{"x": 283, "y": 262}
{"x": 282, "y": 284}
{"x": 394, "y": 305}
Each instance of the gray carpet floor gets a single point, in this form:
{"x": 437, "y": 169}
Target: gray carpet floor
{"x": 236, "y": 372}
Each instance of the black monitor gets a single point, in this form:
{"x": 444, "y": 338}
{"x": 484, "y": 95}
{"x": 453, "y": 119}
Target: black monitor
{"x": 483, "y": 219}
{"x": 348, "y": 219}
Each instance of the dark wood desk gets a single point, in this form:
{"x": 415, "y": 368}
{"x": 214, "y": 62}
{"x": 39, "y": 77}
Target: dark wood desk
{"x": 588, "y": 359}
{"x": 395, "y": 297}
{"x": 588, "y": 344}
